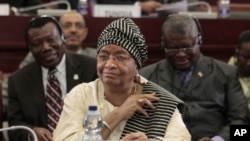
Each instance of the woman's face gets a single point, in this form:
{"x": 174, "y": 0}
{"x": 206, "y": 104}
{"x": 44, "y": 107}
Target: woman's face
{"x": 115, "y": 66}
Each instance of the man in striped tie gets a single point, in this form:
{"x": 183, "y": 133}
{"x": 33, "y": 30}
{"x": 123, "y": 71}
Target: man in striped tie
{"x": 36, "y": 91}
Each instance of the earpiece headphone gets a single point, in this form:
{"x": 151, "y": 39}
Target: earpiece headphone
{"x": 42, "y": 20}
{"x": 198, "y": 25}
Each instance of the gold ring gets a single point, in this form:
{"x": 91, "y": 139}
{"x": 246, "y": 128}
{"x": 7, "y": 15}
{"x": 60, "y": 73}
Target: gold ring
{"x": 140, "y": 100}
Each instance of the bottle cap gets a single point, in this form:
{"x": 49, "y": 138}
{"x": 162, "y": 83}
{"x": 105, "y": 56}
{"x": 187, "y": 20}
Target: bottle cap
{"x": 92, "y": 107}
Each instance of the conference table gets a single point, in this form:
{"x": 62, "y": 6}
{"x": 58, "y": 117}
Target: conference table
{"x": 219, "y": 37}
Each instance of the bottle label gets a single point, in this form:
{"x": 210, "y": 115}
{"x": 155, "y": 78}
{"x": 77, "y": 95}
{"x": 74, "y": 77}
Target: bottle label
{"x": 224, "y": 12}
{"x": 83, "y": 9}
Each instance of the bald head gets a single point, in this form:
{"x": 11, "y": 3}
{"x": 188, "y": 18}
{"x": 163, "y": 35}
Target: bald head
{"x": 72, "y": 15}
{"x": 75, "y": 30}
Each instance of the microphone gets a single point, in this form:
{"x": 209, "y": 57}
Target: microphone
{"x": 17, "y": 11}
{"x": 209, "y": 14}
{"x": 209, "y": 9}
{"x": 21, "y": 127}
{"x": 178, "y": 5}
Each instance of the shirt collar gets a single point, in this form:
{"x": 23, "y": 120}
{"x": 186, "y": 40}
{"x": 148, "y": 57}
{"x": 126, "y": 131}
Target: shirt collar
{"x": 60, "y": 67}
{"x": 185, "y": 71}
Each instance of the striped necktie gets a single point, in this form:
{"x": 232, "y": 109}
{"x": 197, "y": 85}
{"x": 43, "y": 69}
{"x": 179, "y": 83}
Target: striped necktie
{"x": 54, "y": 100}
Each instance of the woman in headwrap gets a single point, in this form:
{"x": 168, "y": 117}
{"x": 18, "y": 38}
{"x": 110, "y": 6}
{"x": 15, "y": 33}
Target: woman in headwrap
{"x": 132, "y": 107}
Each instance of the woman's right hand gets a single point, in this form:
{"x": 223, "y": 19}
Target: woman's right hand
{"x": 150, "y": 7}
{"x": 136, "y": 103}
{"x": 136, "y": 136}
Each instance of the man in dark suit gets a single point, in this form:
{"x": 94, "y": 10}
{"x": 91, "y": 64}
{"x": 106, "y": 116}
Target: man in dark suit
{"x": 27, "y": 86}
{"x": 209, "y": 87}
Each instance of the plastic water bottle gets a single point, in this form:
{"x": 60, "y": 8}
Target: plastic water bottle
{"x": 83, "y": 7}
{"x": 223, "y": 8}
{"x": 92, "y": 123}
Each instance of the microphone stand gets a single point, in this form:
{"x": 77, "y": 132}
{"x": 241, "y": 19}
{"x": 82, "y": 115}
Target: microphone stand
{"x": 35, "y": 7}
{"x": 209, "y": 9}
{"x": 21, "y": 127}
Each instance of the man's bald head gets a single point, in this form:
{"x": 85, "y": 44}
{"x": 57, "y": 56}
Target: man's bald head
{"x": 72, "y": 14}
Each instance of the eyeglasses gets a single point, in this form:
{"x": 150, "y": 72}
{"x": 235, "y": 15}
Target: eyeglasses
{"x": 175, "y": 51}
{"x": 187, "y": 49}
{"x": 77, "y": 25}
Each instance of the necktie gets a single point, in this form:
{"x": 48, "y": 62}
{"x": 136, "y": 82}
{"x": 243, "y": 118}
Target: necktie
{"x": 185, "y": 77}
{"x": 54, "y": 100}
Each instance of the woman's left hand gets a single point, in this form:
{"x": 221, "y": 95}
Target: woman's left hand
{"x": 136, "y": 103}
{"x": 136, "y": 136}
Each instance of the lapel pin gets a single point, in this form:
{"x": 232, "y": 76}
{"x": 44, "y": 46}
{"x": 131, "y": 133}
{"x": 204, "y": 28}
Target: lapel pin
{"x": 75, "y": 77}
{"x": 200, "y": 74}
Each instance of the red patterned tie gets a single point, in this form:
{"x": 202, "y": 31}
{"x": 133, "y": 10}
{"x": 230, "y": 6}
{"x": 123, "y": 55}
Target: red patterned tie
{"x": 54, "y": 100}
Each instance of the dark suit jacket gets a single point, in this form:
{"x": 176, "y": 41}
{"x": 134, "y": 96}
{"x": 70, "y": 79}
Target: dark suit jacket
{"x": 27, "y": 97}
{"x": 214, "y": 96}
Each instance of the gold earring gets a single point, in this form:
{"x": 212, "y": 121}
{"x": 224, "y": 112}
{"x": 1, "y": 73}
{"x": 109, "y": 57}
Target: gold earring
{"x": 137, "y": 78}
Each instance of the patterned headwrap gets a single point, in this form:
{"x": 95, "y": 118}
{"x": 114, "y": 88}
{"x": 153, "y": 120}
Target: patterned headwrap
{"x": 125, "y": 33}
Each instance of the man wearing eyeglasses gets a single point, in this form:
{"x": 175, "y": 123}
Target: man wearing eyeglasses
{"x": 209, "y": 87}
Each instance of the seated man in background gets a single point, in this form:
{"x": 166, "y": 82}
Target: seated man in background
{"x": 209, "y": 87}
{"x": 36, "y": 91}
{"x": 241, "y": 59}
{"x": 75, "y": 31}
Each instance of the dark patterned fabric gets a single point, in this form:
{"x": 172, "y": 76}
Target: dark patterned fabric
{"x": 156, "y": 124}
{"x": 125, "y": 33}
{"x": 54, "y": 100}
